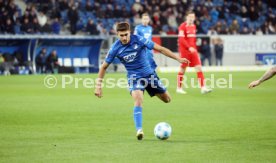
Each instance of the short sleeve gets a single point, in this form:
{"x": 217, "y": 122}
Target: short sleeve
{"x": 111, "y": 54}
{"x": 136, "y": 31}
{"x": 148, "y": 43}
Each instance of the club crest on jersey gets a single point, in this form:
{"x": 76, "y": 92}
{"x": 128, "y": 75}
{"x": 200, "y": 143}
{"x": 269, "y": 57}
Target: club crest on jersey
{"x": 130, "y": 57}
{"x": 135, "y": 46}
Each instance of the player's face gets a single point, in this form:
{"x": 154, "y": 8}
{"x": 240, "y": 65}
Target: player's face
{"x": 190, "y": 18}
{"x": 145, "y": 20}
{"x": 124, "y": 36}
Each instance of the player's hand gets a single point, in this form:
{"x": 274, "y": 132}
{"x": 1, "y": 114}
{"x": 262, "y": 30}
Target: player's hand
{"x": 254, "y": 84}
{"x": 183, "y": 60}
{"x": 192, "y": 50}
{"x": 98, "y": 92}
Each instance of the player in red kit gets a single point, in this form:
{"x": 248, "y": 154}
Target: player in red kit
{"x": 188, "y": 49}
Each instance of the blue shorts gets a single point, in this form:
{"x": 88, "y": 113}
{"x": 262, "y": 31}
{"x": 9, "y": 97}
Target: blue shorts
{"x": 151, "y": 84}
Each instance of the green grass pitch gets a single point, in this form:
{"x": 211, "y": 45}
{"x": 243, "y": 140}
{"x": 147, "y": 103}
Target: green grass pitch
{"x": 38, "y": 124}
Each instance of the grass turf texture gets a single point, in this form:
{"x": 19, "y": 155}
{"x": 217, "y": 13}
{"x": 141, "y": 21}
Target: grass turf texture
{"x": 38, "y": 124}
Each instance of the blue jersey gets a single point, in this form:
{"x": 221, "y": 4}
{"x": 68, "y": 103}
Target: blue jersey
{"x": 146, "y": 32}
{"x": 133, "y": 56}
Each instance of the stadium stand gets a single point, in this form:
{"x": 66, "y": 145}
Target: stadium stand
{"x": 59, "y": 16}
{"x": 97, "y": 18}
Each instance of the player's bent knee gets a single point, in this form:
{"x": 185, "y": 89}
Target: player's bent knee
{"x": 167, "y": 100}
{"x": 273, "y": 69}
{"x": 198, "y": 68}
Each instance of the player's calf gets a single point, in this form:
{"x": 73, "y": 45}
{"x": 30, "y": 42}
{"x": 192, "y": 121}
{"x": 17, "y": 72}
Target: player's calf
{"x": 165, "y": 97}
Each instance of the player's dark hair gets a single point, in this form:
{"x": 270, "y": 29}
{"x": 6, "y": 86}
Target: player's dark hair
{"x": 145, "y": 14}
{"x": 123, "y": 26}
{"x": 190, "y": 12}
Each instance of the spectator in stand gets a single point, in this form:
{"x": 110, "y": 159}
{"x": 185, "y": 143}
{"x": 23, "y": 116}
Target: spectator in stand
{"x": 234, "y": 27}
{"x": 32, "y": 13}
{"x": 8, "y": 28}
{"x": 11, "y": 8}
{"x": 88, "y": 6}
{"x": 271, "y": 27}
{"x": 179, "y": 18}
{"x": 245, "y": 31}
{"x": 2, "y": 3}
{"x": 198, "y": 12}
{"x": 244, "y": 14}
{"x": 209, "y": 4}
{"x": 214, "y": 15}
{"x": 125, "y": 13}
{"x": 253, "y": 14}
{"x": 259, "y": 32}
{"x": 63, "y": 5}
{"x": 56, "y": 13}
{"x": 15, "y": 17}
{"x": 268, "y": 28}
{"x": 46, "y": 29}
{"x": 171, "y": 19}
{"x": 221, "y": 12}
{"x": 171, "y": 31}
{"x": 17, "y": 27}
{"x": 5, "y": 16}
{"x": 56, "y": 26}
{"x": 212, "y": 31}
{"x": 117, "y": 12}
{"x": 199, "y": 27}
{"x": 136, "y": 19}
{"x": 221, "y": 27}
{"x": 109, "y": 11}
{"x": 137, "y": 7}
{"x": 164, "y": 12}
{"x": 73, "y": 17}
{"x": 260, "y": 7}
{"x": 91, "y": 28}
{"x": 36, "y": 26}
{"x": 27, "y": 27}
{"x": 271, "y": 15}
{"x": 24, "y": 16}
{"x": 42, "y": 19}
{"x": 234, "y": 8}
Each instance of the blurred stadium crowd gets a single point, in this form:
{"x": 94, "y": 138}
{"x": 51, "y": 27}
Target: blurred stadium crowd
{"x": 97, "y": 17}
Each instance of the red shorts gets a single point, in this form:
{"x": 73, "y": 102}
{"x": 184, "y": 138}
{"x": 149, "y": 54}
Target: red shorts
{"x": 192, "y": 57}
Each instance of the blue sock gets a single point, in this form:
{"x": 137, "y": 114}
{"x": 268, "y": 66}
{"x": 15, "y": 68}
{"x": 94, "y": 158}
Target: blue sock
{"x": 137, "y": 115}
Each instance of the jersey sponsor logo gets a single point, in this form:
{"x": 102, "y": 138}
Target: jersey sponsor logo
{"x": 147, "y": 35}
{"x": 130, "y": 57}
{"x": 181, "y": 33}
{"x": 191, "y": 35}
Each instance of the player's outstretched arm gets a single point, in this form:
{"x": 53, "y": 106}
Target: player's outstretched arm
{"x": 98, "y": 89}
{"x": 269, "y": 74}
{"x": 167, "y": 52}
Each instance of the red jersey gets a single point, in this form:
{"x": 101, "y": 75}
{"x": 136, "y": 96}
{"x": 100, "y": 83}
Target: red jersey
{"x": 187, "y": 39}
{"x": 186, "y": 36}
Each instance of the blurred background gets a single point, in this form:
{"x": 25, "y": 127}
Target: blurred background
{"x": 73, "y": 36}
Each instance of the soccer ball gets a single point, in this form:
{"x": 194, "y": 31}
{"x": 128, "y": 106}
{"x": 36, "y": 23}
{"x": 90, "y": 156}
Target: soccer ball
{"x": 162, "y": 131}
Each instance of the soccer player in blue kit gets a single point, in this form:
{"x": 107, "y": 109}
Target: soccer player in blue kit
{"x": 145, "y": 30}
{"x": 131, "y": 51}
